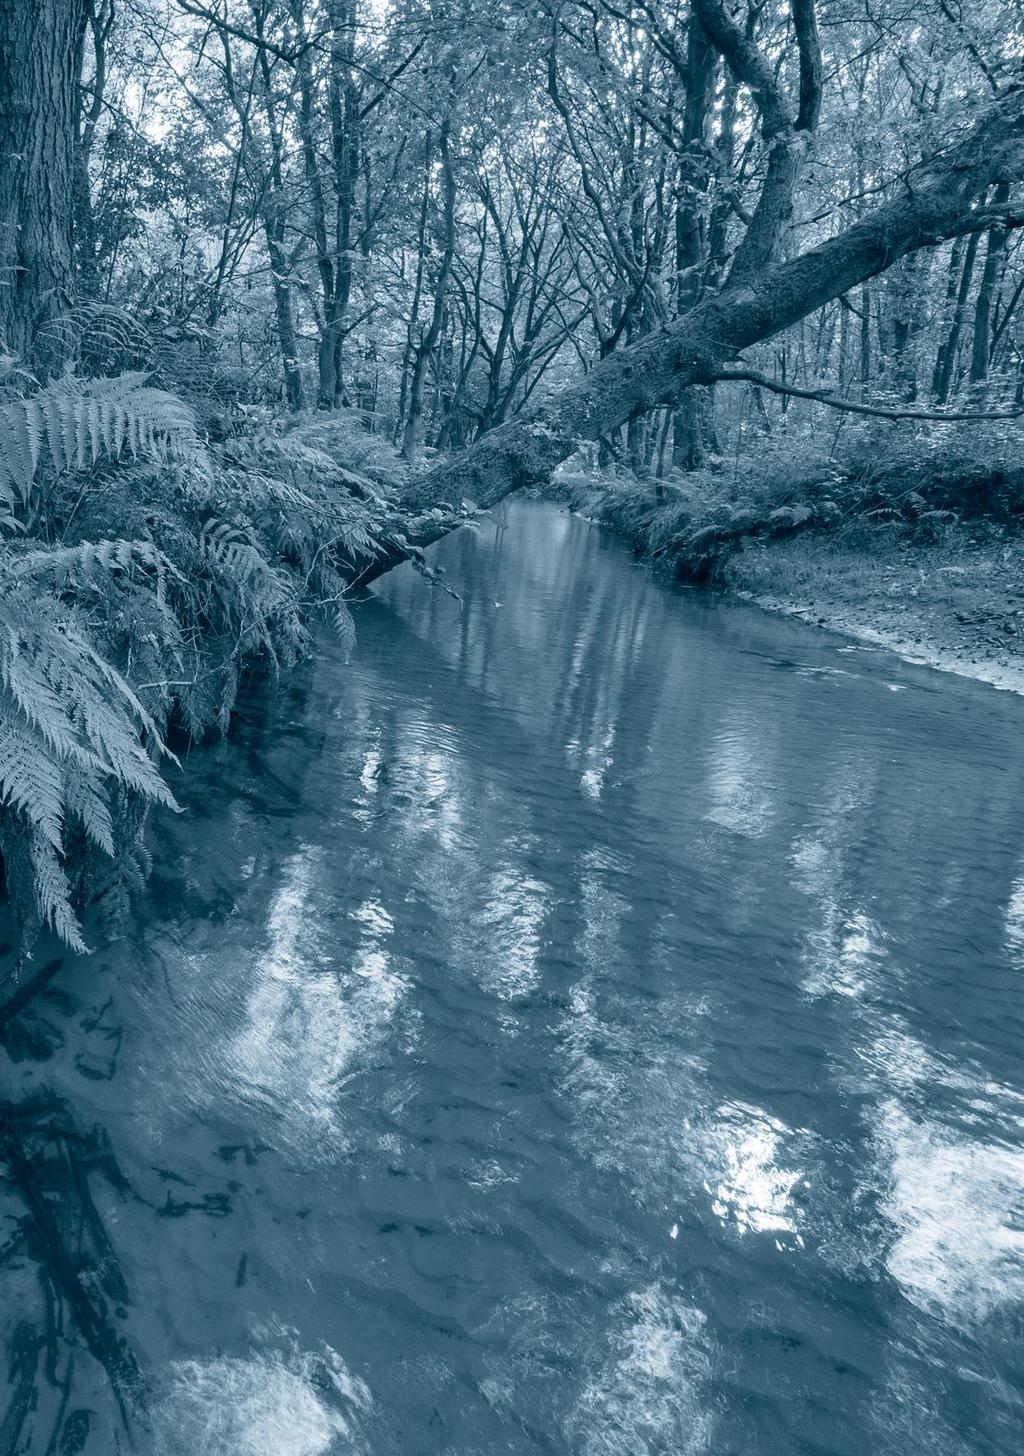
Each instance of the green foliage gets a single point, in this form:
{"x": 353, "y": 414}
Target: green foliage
{"x": 75, "y": 423}
{"x": 146, "y": 575}
{"x": 875, "y": 477}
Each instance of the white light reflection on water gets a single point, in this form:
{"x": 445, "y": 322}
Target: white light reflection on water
{"x": 289, "y": 1403}
{"x": 1013, "y": 923}
{"x": 740, "y": 798}
{"x": 645, "y": 1395}
{"x": 629, "y": 1109}
{"x": 308, "y": 1015}
{"x": 843, "y": 951}
{"x": 435, "y": 789}
{"x": 951, "y": 1186}
{"x": 512, "y": 921}
{"x": 957, "y": 1207}
{"x": 751, "y": 1188}
{"x": 597, "y": 756}
{"x": 592, "y": 1079}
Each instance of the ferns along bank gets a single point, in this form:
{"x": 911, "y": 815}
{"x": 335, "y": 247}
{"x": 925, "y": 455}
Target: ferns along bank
{"x": 144, "y": 572}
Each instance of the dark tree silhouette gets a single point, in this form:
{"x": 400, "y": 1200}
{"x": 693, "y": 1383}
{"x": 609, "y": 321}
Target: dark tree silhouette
{"x": 40, "y": 62}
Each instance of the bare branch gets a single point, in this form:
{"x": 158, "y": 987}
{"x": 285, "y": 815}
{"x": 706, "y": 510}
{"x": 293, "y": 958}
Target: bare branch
{"x": 825, "y": 396}
{"x": 226, "y": 27}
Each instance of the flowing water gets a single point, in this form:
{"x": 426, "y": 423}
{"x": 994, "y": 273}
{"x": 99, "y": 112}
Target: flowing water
{"x": 587, "y": 1023}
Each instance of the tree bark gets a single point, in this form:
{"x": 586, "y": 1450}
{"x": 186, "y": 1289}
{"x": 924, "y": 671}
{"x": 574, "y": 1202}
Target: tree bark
{"x": 98, "y": 20}
{"x": 430, "y": 337}
{"x": 982, "y": 339}
{"x": 939, "y": 203}
{"x": 273, "y": 204}
{"x": 326, "y": 260}
{"x": 40, "y": 65}
{"x": 690, "y": 434}
{"x": 346, "y": 146}
{"x": 694, "y": 436}
{"x": 284, "y": 310}
{"x": 943, "y": 382}
{"x": 786, "y": 136}
{"x": 908, "y": 297}
{"x": 786, "y": 131}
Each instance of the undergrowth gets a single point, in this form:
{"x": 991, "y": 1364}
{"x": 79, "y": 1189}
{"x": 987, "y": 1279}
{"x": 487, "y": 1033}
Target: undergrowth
{"x": 142, "y": 573}
{"x": 862, "y": 490}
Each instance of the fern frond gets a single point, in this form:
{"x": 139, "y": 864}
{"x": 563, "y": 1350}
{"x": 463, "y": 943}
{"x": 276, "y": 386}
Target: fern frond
{"x": 72, "y": 732}
{"x": 24, "y": 676}
{"x": 53, "y": 893}
{"x": 74, "y": 566}
{"x": 81, "y": 422}
{"x": 31, "y": 781}
{"x": 86, "y": 802}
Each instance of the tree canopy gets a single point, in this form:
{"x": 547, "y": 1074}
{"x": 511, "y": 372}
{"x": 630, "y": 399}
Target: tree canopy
{"x": 439, "y": 214}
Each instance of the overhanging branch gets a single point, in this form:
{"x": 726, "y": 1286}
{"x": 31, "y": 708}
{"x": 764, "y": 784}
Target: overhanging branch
{"x": 855, "y": 407}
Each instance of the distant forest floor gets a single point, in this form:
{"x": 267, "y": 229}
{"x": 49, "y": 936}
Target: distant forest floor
{"x": 919, "y": 548}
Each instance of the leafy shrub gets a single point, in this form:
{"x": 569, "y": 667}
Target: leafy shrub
{"x": 976, "y": 470}
{"x": 693, "y": 521}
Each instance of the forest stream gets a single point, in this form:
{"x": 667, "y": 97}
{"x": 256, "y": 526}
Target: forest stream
{"x": 586, "y": 1023}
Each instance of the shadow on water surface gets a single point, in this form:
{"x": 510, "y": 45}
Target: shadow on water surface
{"x": 589, "y": 1023}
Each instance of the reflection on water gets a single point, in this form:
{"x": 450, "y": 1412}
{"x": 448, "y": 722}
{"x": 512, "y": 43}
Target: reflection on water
{"x": 309, "y": 1011}
{"x": 587, "y": 1025}
{"x": 738, "y": 785}
{"x": 749, "y": 1187}
{"x": 843, "y": 945}
{"x": 292, "y": 1403}
{"x": 511, "y": 923}
{"x": 647, "y": 1394}
{"x": 1014, "y": 921}
{"x": 957, "y": 1208}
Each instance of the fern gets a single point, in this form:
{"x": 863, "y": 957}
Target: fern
{"x": 136, "y": 604}
{"x": 74, "y": 423}
{"x": 71, "y": 731}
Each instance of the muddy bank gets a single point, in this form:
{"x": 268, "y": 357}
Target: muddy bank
{"x": 956, "y": 605}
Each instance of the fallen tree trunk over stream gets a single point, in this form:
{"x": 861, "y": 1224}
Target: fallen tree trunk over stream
{"x": 941, "y": 199}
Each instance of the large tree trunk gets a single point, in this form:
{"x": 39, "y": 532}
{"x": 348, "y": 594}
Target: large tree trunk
{"x": 40, "y": 64}
{"x": 982, "y": 338}
{"x": 328, "y": 260}
{"x": 690, "y": 433}
{"x": 275, "y": 216}
{"x": 431, "y": 336}
{"x": 695, "y": 348}
{"x": 284, "y": 313}
{"x": 346, "y": 148}
{"x": 943, "y": 380}
{"x": 98, "y": 20}
{"x": 694, "y": 433}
